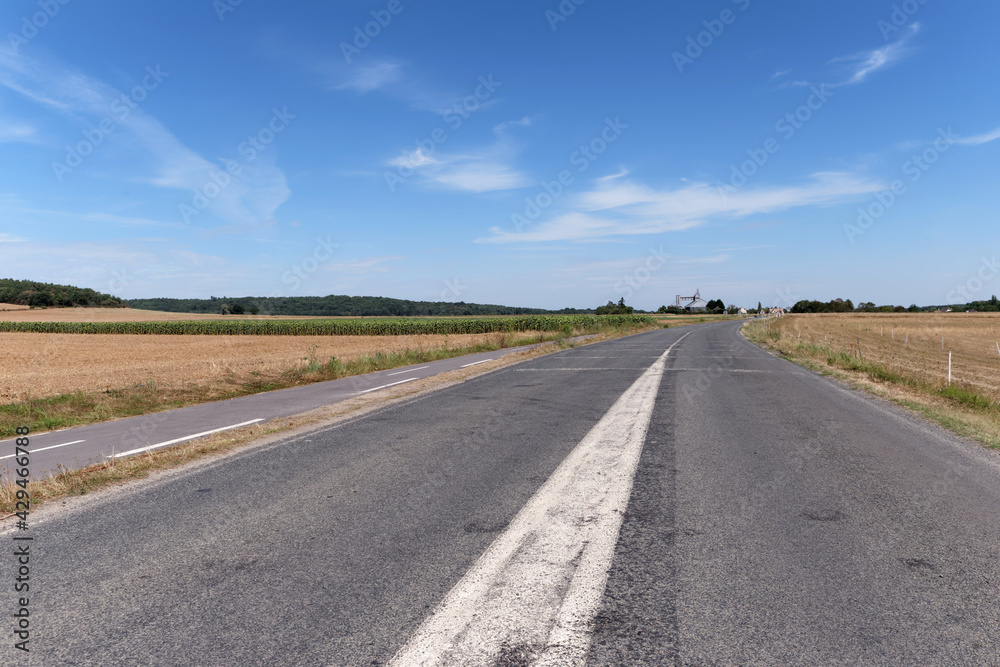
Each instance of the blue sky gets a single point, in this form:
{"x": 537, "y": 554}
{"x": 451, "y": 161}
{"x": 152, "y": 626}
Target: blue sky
{"x": 539, "y": 154}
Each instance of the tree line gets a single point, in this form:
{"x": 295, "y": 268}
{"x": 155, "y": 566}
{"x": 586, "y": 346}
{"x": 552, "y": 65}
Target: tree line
{"x": 46, "y": 295}
{"x": 337, "y": 306}
{"x": 847, "y": 306}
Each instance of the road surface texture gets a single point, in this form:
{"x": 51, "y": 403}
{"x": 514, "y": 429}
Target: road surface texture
{"x": 775, "y": 518}
{"x": 80, "y": 446}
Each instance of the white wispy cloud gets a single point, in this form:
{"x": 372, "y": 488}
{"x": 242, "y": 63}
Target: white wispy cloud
{"x": 980, "y": 139}
{"x": 487, "y": 170}
{"x": 626, "y": 208}
{"x": 371, "y": 77}
{"x": 250, "y": 198}
{"x": 134, "y": 268}
{"x": 16, "y": 132}
{"x": 792, "y": 84}
{"x": 975, "y": 140}
{"x": 868, "y": 62}
{"x": 127, "y": 221}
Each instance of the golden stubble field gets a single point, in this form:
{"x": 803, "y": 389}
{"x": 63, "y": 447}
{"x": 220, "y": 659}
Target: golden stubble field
{"x": 40, "y": 365}
{"x": 915, "y": 344}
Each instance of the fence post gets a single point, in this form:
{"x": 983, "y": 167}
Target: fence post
{"x": 949, "y": 369}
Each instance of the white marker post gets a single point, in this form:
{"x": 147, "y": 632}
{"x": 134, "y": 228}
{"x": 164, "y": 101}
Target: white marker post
{"x": 949, "y": 369}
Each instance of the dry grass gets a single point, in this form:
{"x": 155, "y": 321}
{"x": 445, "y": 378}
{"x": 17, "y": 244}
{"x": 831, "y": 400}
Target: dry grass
{"x": 38, "y": 365}
{"x": 12, "y": 306}
{"x": 901, "y": 360}
{"x": 89, "y": 406}
{"x": 72, "y": 483}
{"x": 911, "y": 344}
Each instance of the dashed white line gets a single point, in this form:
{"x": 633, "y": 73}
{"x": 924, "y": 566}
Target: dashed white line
{"x": 391, "y": 384}
{"x": 475, "y": 363}
{"x": 541, "y": 582}
{"x": 187, "y": 437}
{"x": 411, "y": 370}
{"x": 42, "y": 449}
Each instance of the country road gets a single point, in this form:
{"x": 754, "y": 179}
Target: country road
{"x": 678, "y": 497}
{"x": 80, "y": 446}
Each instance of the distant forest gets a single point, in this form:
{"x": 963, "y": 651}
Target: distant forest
{"x": 336, "y": 306}
{"x": 44, "y": 295}
{"x": 847, "y": 306}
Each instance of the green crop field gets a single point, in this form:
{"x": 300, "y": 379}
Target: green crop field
{"x": 339, "y": 327}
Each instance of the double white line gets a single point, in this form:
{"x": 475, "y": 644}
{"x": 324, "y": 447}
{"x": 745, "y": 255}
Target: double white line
{"x": 539, "y": 584}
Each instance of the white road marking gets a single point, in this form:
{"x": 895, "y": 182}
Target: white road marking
{"x": 622, "y": 356}
{"x": 540, "y": 583}
{"x": 616, "y": 368}
{"x": 187, "y": 437}
{"x": 391, "y": 384}
{"x": 474, "y": 363}
{"x": 42, "y": 449}
{"x": 412, "y": 370}
{"x": 726, "y": 370}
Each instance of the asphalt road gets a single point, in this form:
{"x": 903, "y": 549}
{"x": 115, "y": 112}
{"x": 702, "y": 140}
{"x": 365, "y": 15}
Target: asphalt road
{"x": 81, "y": 446}
{"x": 774, "y": 518}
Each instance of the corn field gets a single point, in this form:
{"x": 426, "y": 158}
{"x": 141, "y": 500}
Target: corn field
{"x": 341, "y": 327}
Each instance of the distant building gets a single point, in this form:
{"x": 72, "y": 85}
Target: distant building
{"x": 743, "y": 311}
{"x": 692, "y": 303}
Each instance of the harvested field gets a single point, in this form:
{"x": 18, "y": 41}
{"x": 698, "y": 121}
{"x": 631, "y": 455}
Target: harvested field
{"x": 911, "y": 344}
{"x": 51, "y": 364}
{"x": 901, "y": 359}
{"x": 13, "y": 307}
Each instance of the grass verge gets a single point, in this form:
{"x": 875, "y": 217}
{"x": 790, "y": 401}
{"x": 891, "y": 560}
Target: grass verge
{"x": 81, "y": 408}
{"x": 960, "y": 409}
{"x": 69, "y": 483}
